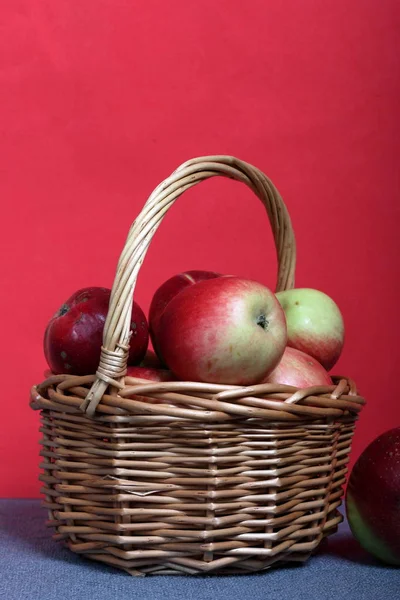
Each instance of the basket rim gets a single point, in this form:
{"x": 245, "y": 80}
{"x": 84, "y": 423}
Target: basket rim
{"x": 197, "y": 401}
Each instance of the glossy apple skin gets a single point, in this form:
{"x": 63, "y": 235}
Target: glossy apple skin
{"x": 298, "y": 369}
{"x": 210, "y": 332}
{"x": 373, "y": 498}
{"x": 150, "y": 374}
{"x": 164, "y": 294}
{"x": 314, "y": 323}
{"x": 74, "y": 335}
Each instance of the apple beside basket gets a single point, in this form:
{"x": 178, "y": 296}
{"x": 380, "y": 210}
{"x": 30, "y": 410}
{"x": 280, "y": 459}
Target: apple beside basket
{"x": 227, "y": 479}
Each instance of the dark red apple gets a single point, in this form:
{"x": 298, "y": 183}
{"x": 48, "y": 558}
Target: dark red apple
{"x": 166, "y": 292}
{"x": 373, "y": 498}
{"x": 74, "y": 335}
{"x": 150, "y": 374}
{"x": 298, "y": 369}
{"x": 223, "y": 330}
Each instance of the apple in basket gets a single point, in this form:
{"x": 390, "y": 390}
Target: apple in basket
{"x": 373, "y": 498}
{"x": 298, "y": 369}
{"x": 314, "y": 324}
{"x": 148, "y": 374}
{"x": 223, "y": 330}
{"x": 73, "y": 336}
{"x": 168, "y": 290}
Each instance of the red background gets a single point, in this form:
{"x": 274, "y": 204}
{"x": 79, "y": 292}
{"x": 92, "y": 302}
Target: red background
{"x": 102, "y": 99}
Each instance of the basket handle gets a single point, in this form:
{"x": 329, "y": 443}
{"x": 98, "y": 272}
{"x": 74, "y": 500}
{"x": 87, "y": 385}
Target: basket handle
{"x": 117, "y": 333}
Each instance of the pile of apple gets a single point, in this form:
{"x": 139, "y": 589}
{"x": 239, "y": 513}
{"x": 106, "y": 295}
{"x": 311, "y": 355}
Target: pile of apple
{"x": 207, "y": 327}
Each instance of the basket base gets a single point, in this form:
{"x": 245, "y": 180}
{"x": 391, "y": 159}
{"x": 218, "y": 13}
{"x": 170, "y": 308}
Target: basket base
{"x": 218, "y": 566}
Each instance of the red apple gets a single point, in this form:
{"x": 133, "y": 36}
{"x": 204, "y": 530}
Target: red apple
{"x": 298, "y": 369}
{"x": 373, "y": 498}
{"x": 314, "y": 324}
{"x": 223, "y": 330}
{"x": 166, "y": 292}
{"x": 74, "y": 335}
{"x": 150, "y": 374}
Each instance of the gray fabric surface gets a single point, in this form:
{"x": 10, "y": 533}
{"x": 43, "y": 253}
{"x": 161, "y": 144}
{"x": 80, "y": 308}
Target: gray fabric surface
{"x": 33, "y": 566}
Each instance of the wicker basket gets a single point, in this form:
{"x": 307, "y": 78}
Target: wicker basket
{"x": 203, "y": 478}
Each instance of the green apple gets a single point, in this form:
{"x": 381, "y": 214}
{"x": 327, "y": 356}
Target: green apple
{"x": 314, "y": 323}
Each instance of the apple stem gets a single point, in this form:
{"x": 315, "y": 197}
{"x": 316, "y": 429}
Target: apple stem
{"x": 262, "y": 321}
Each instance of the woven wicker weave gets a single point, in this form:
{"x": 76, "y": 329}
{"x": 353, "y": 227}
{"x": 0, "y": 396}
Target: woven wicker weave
{"x": 188, "y": 477}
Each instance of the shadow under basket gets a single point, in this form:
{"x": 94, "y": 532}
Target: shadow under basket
{"x": 189, "y": 477}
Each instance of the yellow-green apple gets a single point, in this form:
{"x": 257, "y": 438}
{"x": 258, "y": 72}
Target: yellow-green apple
{"x": 298, "y": 369}
{"x": 314, "y": 323}
{"x": 166, "y": 292}
{"x": 223, "y": 330}
{"x": 373, "y": 498}
{"x": 148, "y": 374}
{"x": 74, "y": 335}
